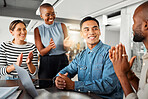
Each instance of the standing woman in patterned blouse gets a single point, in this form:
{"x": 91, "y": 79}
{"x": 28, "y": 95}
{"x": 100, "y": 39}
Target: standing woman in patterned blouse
{"x": 18, "y": 51}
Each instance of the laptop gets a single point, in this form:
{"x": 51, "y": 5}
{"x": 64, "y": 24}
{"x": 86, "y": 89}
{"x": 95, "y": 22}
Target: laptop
{"x": 27, "y": 82}
{"x": 42, "y": 93}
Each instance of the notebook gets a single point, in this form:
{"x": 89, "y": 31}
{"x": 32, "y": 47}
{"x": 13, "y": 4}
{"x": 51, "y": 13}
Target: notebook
{"x": 6, "y": 92}
{"x": 15, "y": 95}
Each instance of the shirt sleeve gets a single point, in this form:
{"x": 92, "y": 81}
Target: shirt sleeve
{"x": 132, "y": 96}
{"x": 143, "y": 93}
{"x": 71, "y": 69}
{"x": 104, "y": 85}
{"x": 3, "y": 61}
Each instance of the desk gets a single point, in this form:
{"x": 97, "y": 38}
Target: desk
{"x": 25, "y": 95}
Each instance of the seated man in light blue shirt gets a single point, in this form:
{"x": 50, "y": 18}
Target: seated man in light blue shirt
{"x": 93, "y": 66}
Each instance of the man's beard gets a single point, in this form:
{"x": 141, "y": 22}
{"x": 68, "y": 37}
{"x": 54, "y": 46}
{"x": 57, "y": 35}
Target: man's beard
{"x": 138, "y": 37}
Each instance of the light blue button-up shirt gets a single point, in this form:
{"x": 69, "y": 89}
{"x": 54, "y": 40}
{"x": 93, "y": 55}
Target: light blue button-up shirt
{"x": 95, "y": 72}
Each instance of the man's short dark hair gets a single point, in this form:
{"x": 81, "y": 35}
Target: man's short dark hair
{"x": 87, "y": 19}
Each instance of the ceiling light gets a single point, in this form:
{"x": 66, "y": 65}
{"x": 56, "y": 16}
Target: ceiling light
{"x": 57, "y": 3}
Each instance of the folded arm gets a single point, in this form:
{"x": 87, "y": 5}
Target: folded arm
{"x": 104, "y": 85}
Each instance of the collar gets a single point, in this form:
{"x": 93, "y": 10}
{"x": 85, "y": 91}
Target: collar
{"x": 98, "y": 46}
{"x": 48, "y": 26}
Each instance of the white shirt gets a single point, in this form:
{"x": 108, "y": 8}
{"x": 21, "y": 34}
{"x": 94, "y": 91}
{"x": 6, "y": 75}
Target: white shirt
{"x": 143, "y": 83}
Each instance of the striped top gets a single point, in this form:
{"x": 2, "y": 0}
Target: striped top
{"x": 9, "y": 53}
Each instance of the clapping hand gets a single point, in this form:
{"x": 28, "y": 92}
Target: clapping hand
{"x": 52, "y": 44}
{"x": 119, "y": 59}
{"x": 30, "y": 57}
{"x": 19, "y": 60}
{"x": 68, "y": 42}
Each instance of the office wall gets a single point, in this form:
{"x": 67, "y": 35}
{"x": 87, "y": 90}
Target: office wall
{"x": 102, "y": 28}
{"x": 112, "y": 38}
{"x": 4, "y": 29}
